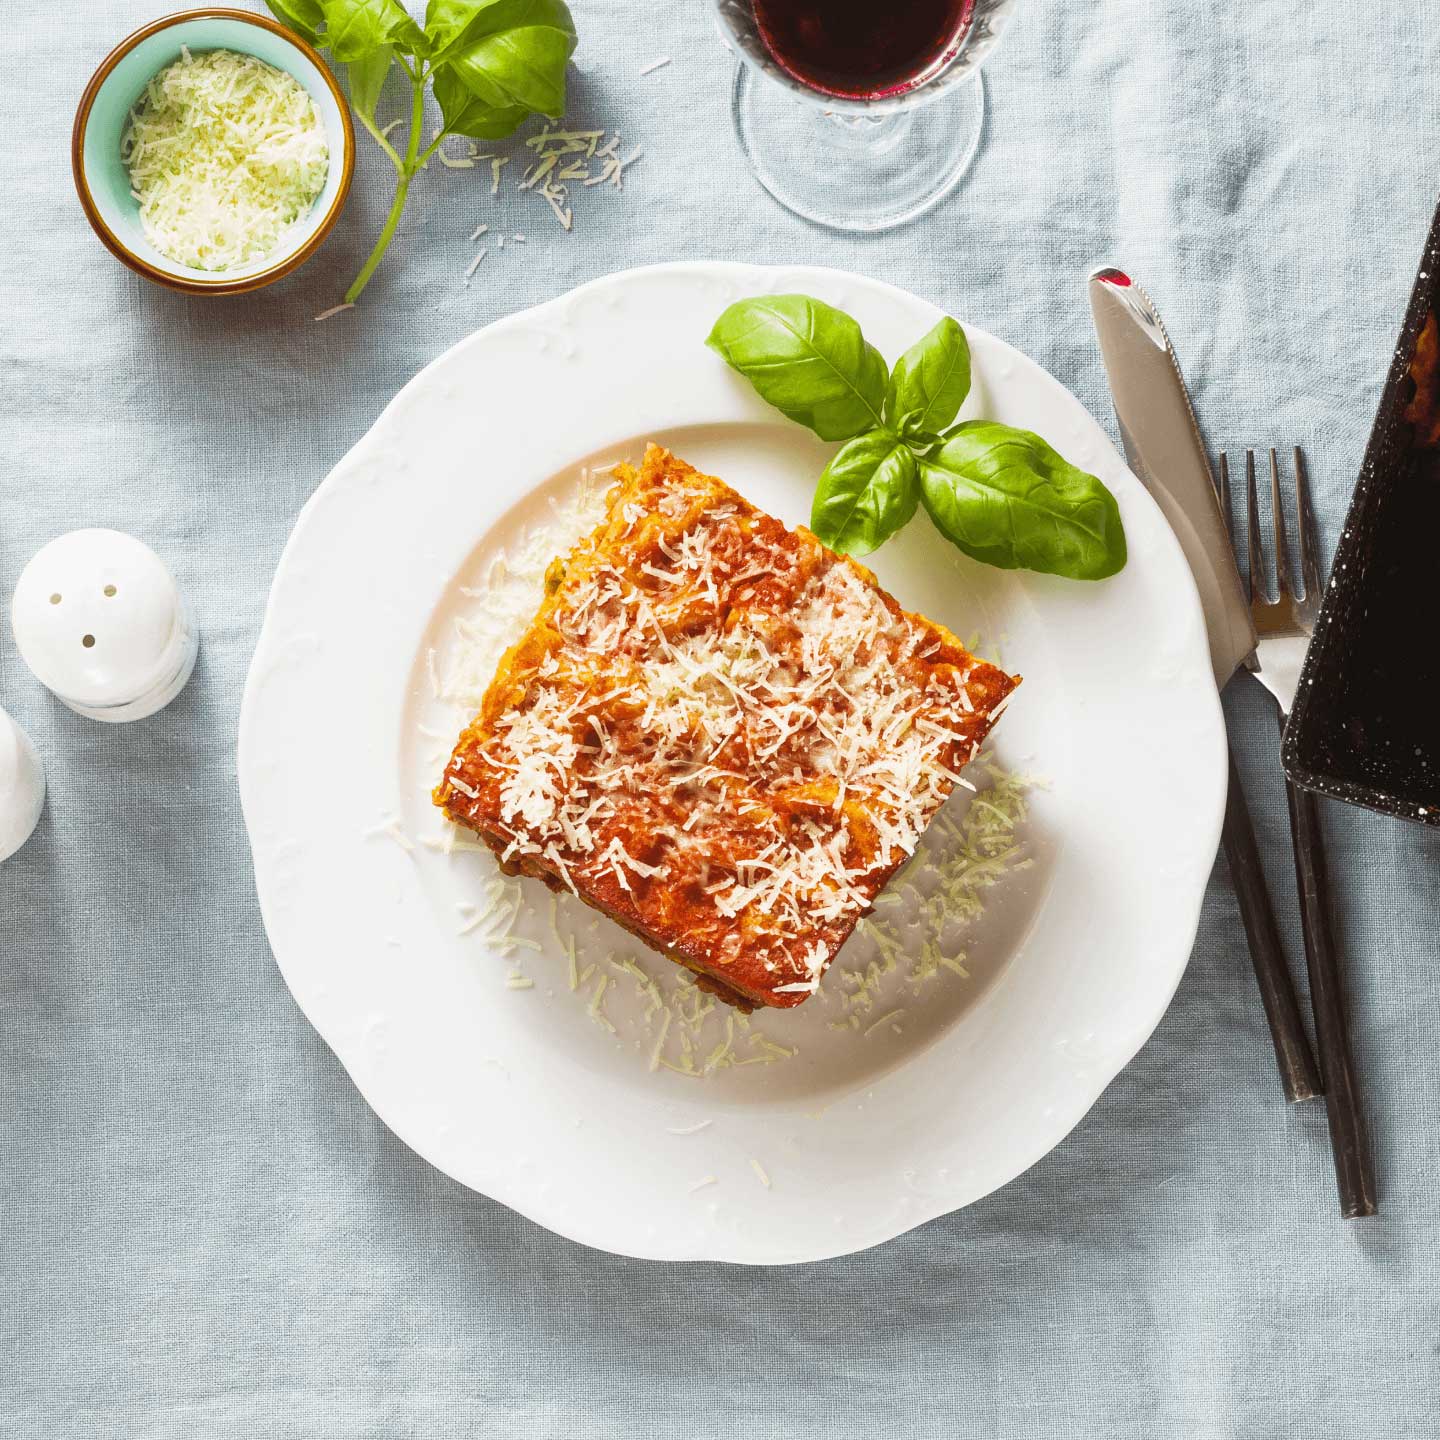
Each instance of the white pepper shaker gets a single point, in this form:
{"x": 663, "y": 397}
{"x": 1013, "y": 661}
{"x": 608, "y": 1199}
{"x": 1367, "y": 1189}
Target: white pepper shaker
{"x": 22, "y": 787}
{"x": 98, "y": 619}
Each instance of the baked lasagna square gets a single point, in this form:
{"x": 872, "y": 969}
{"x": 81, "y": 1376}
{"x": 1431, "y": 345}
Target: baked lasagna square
{"x": 719, "y": 733}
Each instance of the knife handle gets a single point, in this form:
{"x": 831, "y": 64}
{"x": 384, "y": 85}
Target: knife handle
{"x": 1354, "y": 1172}
{"x": 1277, "y": 992}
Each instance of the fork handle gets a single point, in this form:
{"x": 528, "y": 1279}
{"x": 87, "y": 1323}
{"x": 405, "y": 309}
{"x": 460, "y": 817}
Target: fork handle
{"x": 1354, "y": 1172}
{"x": 1277, "y": 991}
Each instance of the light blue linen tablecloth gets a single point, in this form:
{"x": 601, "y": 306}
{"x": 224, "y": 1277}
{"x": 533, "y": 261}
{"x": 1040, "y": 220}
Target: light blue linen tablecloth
{"x": 204, "y": 1231}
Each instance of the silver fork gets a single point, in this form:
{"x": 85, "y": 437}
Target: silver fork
{"x": 1283, "y": 627}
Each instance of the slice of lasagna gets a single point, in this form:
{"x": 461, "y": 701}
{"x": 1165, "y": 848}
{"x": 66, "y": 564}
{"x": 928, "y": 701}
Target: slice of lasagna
{"x": 719, "y": 733}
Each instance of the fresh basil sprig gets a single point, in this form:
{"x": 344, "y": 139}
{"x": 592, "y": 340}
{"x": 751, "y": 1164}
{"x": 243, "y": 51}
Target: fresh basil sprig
{"x": 491, "y": 63}
{"x": 1001, "y": 495}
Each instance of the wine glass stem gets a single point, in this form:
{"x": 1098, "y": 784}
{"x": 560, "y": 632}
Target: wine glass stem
{"x": 877, "y": 134}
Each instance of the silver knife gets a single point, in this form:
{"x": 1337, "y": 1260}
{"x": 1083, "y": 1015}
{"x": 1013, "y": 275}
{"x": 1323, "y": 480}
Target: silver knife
{"x": 1163, "y": 446}
{"x": 1162, "y": 443}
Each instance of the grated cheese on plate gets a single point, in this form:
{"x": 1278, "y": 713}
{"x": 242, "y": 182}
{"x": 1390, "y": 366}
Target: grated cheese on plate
{"x": 226, "y": 155}
{"x": 906, "y": 952}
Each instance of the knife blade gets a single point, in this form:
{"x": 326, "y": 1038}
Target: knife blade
{"x": 1162, "y": 443}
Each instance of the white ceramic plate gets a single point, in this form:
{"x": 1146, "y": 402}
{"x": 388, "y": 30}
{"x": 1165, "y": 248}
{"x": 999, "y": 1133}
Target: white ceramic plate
{"x": 526, "y": 1095}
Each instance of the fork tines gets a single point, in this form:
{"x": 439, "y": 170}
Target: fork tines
{"x": 1300, "y": 594}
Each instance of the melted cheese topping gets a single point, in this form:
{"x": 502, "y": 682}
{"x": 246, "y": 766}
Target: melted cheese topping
{"x": 721, "y": 731}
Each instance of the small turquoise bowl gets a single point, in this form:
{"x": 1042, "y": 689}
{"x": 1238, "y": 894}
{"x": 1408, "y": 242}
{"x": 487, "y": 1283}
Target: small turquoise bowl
{"x": 104, "y": 184}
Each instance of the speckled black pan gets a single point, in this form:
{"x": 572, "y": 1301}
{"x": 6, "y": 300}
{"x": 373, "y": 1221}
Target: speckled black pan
{"x": 1365, "y": 727}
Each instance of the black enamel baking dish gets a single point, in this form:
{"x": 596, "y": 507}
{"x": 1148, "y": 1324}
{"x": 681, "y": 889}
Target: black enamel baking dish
{"x": 1366, "y": 722}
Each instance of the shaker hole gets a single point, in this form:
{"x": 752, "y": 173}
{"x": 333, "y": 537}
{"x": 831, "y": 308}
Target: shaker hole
{"x": 88, "y": 641}
{"x": 110, "y": 591}
{"x": 55, "y": 598}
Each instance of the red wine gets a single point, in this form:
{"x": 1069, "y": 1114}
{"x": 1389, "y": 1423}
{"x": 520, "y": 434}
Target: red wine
{"x": 862, "y": 49}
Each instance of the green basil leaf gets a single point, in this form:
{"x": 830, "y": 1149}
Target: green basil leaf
{"x": 929, "y": 382}
{"x": 808, "y": 359}
{"x": 445, "y": 21}
{"x": 867, "y": 492}
{"x": 355, "y": 29}
{"x": 463, "y": 114}
{"x": 449, "y": 23}
{"x": 1007, "y": 499}
{"x": 367, "y": 79}
{"x": 304, "y": 17}
{"x": 509, "y": 54}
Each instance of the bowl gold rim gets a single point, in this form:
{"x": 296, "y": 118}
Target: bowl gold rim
{"x": 118, "y": 248}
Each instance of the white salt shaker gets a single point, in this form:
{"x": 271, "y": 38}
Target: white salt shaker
{"x": 22, "y": 787}
{"x": 98, "y": 619}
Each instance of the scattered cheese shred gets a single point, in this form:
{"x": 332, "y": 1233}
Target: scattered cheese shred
{"x": 390, "y": 829}
{"x": 884, "y": 1020}
{"x": 655, "y": 65}
{"x": 458, "y": 162}
{"x": 561, "y": 157}
{"x": 226, "y": 155}
{"x": 657, "y": 1054}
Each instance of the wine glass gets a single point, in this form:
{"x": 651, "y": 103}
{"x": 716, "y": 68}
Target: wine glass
{"x": 852, "y": 140}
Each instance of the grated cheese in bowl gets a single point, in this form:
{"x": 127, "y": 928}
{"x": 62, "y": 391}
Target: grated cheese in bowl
{"x": 226, "y": 155}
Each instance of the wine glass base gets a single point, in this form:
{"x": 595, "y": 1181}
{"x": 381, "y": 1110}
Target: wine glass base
{"x": 856, "y": 172}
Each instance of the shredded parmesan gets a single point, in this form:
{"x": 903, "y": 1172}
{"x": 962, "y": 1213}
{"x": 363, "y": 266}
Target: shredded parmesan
{"x": 561, "y": 158}
{"x": 911, "y": 943}
{"x": 226, "y": 156}
{"x": 825, "y": 689}
{"x": 391, "y": 829}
